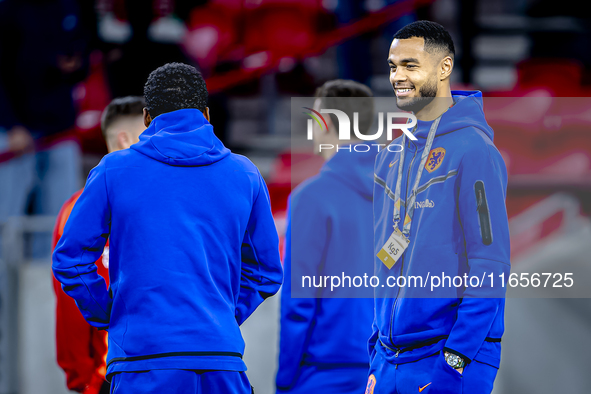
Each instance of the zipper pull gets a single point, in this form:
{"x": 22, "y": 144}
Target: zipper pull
{"x": 397, "y": 352}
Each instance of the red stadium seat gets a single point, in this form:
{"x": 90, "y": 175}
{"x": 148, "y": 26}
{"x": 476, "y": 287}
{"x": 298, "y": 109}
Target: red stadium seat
{"x": 289, "y": 170}
{"x": 213, "y": 32}
{"x": 562, "y": 77}
{"x": 517, "y": 123}
{"x": 285, "y": 28}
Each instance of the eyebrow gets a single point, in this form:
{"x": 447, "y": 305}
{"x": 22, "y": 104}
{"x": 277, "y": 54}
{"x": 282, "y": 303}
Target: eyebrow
{"x": 407, "y": 60}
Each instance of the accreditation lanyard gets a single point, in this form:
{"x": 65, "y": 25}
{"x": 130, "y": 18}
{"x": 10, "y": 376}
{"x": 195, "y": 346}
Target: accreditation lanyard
{"x": 410, "y": 203}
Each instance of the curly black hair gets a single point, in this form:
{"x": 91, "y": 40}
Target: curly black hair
{"x": 435, "y": 36}
{"x": 175, "y": 86}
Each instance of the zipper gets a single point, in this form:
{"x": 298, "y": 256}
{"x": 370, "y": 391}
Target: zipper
{"x": 402, "y": 260}
{"x": 427, "y": 342}
{"x": 483, "y": 213}
{"x": 397, "y": 350}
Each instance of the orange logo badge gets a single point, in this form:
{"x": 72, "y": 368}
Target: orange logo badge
{"x": 424, "y": 387}
{"x": 434, "y": 159}
{"x": 371, "y": 384}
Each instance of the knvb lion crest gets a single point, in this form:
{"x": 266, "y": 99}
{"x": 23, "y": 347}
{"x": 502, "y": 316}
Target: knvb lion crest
{"x": 434, "y": 159}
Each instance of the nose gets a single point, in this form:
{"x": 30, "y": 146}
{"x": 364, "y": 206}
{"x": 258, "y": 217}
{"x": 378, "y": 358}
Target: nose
{"x": 397, "y": 76}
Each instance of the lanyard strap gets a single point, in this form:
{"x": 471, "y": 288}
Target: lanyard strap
{"x": 410, "y": 203}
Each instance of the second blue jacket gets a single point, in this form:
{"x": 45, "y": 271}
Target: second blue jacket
{"x": 329, "y": 232}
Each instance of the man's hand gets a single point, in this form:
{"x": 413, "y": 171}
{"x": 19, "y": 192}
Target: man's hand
{"x": 460, "y": 370}
{"x": 20, "y": 140}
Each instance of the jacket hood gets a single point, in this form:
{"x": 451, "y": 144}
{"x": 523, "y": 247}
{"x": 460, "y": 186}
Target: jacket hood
{"x": 353, "y": 168}
{"x": 467, "y": 111}
{"x": 181, "y": 138}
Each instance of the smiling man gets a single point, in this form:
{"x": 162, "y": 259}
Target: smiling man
{"x": 439, "y": 215}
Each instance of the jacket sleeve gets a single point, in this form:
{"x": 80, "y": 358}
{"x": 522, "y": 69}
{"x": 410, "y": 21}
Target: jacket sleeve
{"x": 262, "y": 273}
{"x": 82, "y": 243}
{"x": 483, "y": 216}
{"x": 306, "y": 244}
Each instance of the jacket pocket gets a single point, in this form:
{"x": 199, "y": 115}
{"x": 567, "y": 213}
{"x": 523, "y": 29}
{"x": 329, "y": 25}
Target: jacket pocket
{"x": 446, "y": 379}
{"x": 483, "y": 213}
{"x": 490, "y": 354}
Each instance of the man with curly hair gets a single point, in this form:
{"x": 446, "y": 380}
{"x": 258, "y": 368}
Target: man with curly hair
{"x": 193, "y": 248}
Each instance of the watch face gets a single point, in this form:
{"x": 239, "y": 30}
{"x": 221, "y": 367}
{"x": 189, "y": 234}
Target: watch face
{"x": 452, "y": 360}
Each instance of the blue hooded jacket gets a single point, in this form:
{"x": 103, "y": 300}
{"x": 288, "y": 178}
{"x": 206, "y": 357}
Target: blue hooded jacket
{"x": 459, "y": 227}
{"x": 329, "y": 231}
{"x": 193, "y": 249}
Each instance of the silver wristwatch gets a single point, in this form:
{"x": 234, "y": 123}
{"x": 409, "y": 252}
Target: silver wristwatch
{"x": 454, "y": 361}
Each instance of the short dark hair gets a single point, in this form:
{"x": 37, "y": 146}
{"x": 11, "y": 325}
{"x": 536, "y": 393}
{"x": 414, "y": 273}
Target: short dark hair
{"x": 120, "y": 107}
{"x": 175, "y": 86}
{"x": 435, "y": 36}
{"x": 333, "y": 94}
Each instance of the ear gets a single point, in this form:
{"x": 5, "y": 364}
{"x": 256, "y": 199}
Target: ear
{"x": 445, "y": 68}
{"x": 147, "y": 118}
{"x": 206, "y": 114}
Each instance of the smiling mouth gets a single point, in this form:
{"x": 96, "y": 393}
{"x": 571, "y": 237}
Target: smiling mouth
{"x": 402, "y": 92}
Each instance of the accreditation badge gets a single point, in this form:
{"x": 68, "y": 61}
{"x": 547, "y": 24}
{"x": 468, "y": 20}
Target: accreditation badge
{"x": 393, "y": 248}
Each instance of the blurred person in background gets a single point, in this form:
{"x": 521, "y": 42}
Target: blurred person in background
{"x": 449, "y": 185}
{"x": 43, "y": 51}
{"x": 359, "y": 47}
{"x": 126, "y": 74}
{"x": 81, "y": 348}
{"x": 323, "y": 341}
{"x": 194, "y": 249}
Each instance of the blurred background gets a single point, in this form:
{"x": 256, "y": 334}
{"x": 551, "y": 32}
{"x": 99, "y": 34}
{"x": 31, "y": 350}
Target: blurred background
{"x": 62, "y": 61}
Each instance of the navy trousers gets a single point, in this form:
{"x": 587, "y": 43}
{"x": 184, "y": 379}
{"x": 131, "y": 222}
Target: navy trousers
{"x": 428, "y": 376}
{"x": 166, "y": 381}
{"x": 329, "y": 381}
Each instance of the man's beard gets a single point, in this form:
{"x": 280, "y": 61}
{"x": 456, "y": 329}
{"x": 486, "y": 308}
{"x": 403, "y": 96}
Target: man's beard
{"x": 427, "y": 93}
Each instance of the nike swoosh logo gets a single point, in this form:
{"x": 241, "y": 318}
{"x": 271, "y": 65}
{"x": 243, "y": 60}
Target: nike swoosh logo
{"x": 391, "y": 164}
{"x": 424, "y": 387}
